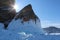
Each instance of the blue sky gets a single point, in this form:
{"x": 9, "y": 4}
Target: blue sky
{"x": 47, "y": 10}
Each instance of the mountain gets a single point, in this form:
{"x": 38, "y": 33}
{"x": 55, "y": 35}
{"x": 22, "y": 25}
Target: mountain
{"x": 52, "y": 29}
{"x": 26, "y": 21}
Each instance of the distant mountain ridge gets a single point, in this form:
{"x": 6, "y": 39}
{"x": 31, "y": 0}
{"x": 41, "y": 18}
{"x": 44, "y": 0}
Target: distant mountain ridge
{"x": 52, "y": 29}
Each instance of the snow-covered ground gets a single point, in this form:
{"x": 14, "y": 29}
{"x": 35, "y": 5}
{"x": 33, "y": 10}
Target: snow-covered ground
{"x": 52, "y": 33}
{"x": 20, "y": 31}
{"x": 24, "y": 31}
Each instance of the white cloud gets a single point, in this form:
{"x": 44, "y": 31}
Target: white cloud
{"x": 47, "y": 23}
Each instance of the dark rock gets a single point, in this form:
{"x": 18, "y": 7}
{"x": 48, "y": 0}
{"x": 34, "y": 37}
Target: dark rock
{"x": 7, "y": 2}
{"x": 6, "y": 16}
{"x": 27, "y": 14}
{"x": 7, "y": 13}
